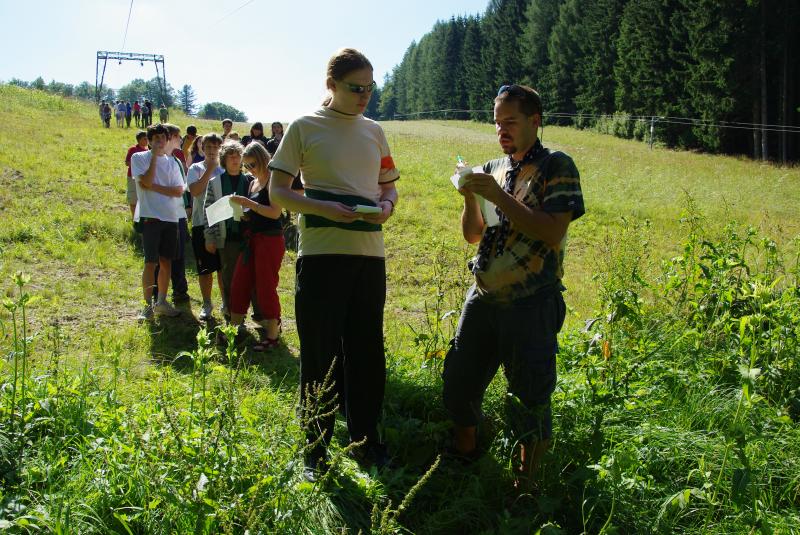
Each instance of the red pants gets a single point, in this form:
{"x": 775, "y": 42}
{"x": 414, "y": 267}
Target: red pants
{"x": 260, "y": 272}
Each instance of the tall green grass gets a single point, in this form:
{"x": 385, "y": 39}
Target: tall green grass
{"x": 679, "y": 390}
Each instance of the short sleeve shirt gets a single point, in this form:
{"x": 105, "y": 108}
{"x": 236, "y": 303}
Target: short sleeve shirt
{"x": 152, "y": 204}
{"x": 131, "y": 151}
{"x": 550, "y": 183}
{"x": 341, "y": 154}
{"x": 195, "y": 172}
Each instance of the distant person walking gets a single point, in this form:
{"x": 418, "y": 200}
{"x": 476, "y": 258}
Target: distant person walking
{"x": 514, "y": 310}
{"x": 140, "y": 146}
{"x": 163, "y": 114}
{"x": 120, "y": 114}
{"x": 147, "y": 113}
{"x": 341, "y": 270}
{"x": 137, "y": 113}
{"x": 127, "y": 115}
{"x": 106, "y": 115}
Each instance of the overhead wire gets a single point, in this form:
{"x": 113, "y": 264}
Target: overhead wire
{"x": 127, "y": 25}
{"x": 688, "y": 121}
{"x": 232, "y": 12}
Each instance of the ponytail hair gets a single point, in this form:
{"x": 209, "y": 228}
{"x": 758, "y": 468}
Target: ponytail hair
{"x": 342, "y": 63}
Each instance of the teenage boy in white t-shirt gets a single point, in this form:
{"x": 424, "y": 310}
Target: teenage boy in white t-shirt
{"x": 159, "y": 186}
{"x": 200, "y": 174}
{"x": 180, "y": 287}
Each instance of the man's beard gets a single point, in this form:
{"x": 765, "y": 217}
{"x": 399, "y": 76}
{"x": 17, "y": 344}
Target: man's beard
{"x": 509, "y": 149}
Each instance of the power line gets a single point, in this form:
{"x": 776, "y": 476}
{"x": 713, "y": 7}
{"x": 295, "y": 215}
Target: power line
{"x": 232, "y": 12}
{"x": 688, "y": 121}
{"x": 127, "y": 24}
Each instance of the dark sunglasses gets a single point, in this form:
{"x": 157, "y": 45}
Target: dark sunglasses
{"x": 355, "y": 88}
{"x": 249, "y": 166}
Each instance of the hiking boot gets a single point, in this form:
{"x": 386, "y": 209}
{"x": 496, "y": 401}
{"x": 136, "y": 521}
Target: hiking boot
{"x": 165, "y": 309}
{"x": 315, "y": 467}
{"x": 145, "y": 314}
{"x": 207, "y": 312}
{"x": 372, "y": 454}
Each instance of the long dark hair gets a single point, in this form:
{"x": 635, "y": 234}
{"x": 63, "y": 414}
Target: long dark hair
{"x": 345, "y": 61}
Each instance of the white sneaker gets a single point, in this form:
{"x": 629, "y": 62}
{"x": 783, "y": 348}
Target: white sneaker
{"x": 165, "y": 309}
{"x": 207, "y": 312}
{"x": 145, "y": 314}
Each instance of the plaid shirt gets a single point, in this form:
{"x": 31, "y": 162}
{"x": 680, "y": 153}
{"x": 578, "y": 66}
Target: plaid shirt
{"x": 550, "y": 183}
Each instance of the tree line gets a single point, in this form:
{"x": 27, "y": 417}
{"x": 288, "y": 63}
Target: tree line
{"x": 141, "y": 90}
{"x": 711, "y": 75}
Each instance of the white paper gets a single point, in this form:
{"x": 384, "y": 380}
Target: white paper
{"x": 490, "y": 216}
{"x": 459, "y": 178}
{"x": 223, "y": 209}
{"x": 364, "y": 209}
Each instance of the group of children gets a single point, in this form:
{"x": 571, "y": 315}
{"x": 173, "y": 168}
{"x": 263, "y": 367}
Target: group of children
{"x": 124, "y": 111}
{"x": 165, "y": 192}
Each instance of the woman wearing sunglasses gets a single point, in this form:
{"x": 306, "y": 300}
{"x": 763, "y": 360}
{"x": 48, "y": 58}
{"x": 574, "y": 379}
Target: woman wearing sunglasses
{"x": 259, "y": 264}
{"x": 226, "y": 236}
{"x": 341, "y": 273}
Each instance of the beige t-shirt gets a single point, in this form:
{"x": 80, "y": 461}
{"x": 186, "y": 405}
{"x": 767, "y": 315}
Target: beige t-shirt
{"x": 341, "y": 154}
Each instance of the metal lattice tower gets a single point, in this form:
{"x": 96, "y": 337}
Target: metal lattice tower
{"x": 104, "y": 56}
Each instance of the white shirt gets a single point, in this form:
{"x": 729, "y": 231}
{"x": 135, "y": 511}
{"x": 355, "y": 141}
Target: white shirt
{"x": 195, "y": 172}
{"x": 153, "y": 204}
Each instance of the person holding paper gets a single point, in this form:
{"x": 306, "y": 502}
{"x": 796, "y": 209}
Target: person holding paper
{"x": 513, "y": 312}
{"x": 341, "y": 270}
{"x": 259, "y": 264}
{"x": 225, "y": 237}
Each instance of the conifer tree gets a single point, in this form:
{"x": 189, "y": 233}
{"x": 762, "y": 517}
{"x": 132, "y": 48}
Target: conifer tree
{"x": 541, "y": 16}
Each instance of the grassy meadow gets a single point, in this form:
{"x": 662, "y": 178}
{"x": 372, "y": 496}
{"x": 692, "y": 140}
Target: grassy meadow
{"x": 677, "y": 408}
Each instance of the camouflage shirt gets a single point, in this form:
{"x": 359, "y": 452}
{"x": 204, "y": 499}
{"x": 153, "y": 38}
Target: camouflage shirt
{"x": 550, "y": 183}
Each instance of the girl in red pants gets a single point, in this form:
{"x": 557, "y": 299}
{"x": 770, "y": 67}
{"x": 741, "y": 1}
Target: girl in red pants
{"x": 259, "y": 263}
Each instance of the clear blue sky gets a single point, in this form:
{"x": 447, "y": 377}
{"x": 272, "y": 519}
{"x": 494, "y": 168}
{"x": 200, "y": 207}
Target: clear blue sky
{"x": 265, "y": 57}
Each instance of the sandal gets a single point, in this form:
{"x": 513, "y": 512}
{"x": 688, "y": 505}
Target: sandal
{"x": 266, "y": 344}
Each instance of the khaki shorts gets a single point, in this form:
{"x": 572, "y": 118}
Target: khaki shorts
{"x": 131, "y": 191}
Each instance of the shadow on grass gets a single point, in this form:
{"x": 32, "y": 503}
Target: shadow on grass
{"x": 171, "y": 336}
{"x": 134, "y": 239}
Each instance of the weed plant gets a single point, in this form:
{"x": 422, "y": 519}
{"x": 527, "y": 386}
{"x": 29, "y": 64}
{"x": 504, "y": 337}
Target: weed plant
{"x": 676, "y": 410}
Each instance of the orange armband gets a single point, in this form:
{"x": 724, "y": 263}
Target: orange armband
{"x": 387, "y": 162}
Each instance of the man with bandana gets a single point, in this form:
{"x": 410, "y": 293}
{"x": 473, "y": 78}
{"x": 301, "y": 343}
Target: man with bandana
{"x": 514, "y": 311}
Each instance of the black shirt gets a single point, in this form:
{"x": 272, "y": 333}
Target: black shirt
{"x": 258, "y": 223}
{"x": 246, "y": 140}
{"x": 272, "y": 145}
